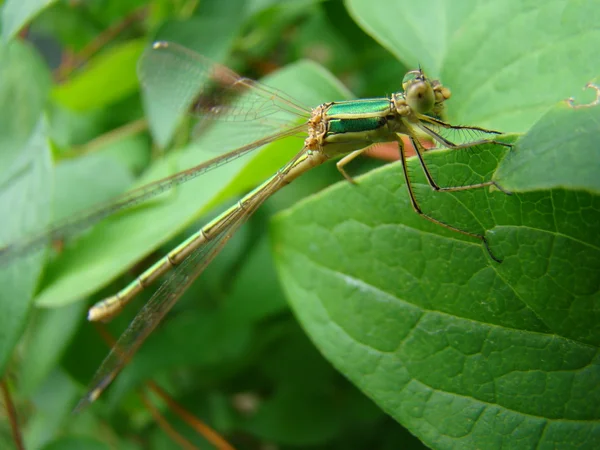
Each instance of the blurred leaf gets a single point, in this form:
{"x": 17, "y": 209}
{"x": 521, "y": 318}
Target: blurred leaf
{"x": 87, "y": 181}
{"x": 25, "y": 203}
{"x": 190, "y": 340}
{"x": 24, "y": 182}
{"x": 76, "y": 443}
{"x": 270, "y": 30}
{"x": 132, "y": 152}
{"x": 296, "y": 417}
{"x": 24, "y": 85}
{"x": 249, "y": 300}
{"x": 558, "y": 152}
{"x": 70, "y": 128}
{"x": 113, "y": 11}
{"x": 258, "y": 6}
{"x": 109, "y": 77}
{"x": 410, "y": 30}
{"x": 49, "y": 333}
{"x": 534, "y": 54}
{"x": 321, "y": 42}
{"x": 53, "y": 402}
{"x": 425, "y": 323}
{"x": 69, "y": 24}
{"x": 16, "y": 14}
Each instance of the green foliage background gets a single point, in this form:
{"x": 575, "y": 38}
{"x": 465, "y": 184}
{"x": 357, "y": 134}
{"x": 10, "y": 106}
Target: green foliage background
{"x": 394, "y": 322}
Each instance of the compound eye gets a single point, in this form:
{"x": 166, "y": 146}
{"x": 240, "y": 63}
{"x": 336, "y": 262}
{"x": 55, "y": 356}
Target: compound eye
{"x": 418, "y": 92}
{"x": 410, "y": 78}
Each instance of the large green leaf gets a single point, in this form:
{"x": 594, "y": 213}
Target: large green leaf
{"x": 506, "y": 62}
{"x": 563, "y": 135}
{"x": 73, "y": 443}
{"x": 460, "y": 349}
{"x": 49, "y": 333}
{"x": 24, "y": 85}
{"x": 24, "y": 181}
{"x": 25, "y": 204}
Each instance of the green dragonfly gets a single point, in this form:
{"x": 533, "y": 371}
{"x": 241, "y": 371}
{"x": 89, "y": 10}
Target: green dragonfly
{"x": 332, "y": 130}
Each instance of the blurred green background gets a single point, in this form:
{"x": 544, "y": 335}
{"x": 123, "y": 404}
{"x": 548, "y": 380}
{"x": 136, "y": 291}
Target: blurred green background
{"x": 74, "y": 132}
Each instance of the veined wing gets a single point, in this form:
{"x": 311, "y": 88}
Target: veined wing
{"x": 80, "y": 222}
{"x": 440, "y": 132}
{"x": 187, "y": 81}
{"x": 170, "y": 71}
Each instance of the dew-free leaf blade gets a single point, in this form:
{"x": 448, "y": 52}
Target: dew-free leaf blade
{"x": 506, "y": 63}
{"x": 453, "y": 345}
{"x": 559, "y": 151}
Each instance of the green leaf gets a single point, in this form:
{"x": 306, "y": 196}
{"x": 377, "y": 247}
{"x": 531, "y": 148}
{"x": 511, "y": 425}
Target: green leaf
{"x": 299, "y": 412}
{"x": 24, "y": 85}
{"x": 76, "y": 443}
{"x": 505, "y": 62}
{"x": 48, "y": 336}
{"x": 251, "y": 302}
{"x": 24, "y": 182}
{"x": 453, "y": 345}
{"x": 86, "y": 181}
{"x": 24, "y": 200}
{"x": 296, "y": 416}
{"x": 53, "y": 402}
{"x": 557, "y": 152}
{"x": 106, "y": 79}
{"x": 17, "y": 13}
{"x": 409, "y": 30}
{"x": 189, "y": 334}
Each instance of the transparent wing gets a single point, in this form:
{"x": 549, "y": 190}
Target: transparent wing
{"x": 171, "y": 290}
{"x": 441, "y": 131}
{"x": 80, "y": 222}
{"x": 180, "y": 77}
{"x": 183, "y": 81}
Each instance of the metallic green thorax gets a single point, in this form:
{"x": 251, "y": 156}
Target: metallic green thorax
{"x": 340, "y": 126}
{"x": 358, "y": 115}
{"x": 375, "y": 106}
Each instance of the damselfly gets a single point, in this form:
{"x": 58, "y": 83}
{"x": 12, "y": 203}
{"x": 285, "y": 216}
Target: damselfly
{"x": 336, "y": 129}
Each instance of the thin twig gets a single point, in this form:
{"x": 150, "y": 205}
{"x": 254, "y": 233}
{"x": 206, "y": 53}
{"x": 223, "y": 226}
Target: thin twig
{"x": 190, "y": 419}
{"x": 12, "y": 416}
{"x": 200, "y": 427}
{"x": 165, "y": 425}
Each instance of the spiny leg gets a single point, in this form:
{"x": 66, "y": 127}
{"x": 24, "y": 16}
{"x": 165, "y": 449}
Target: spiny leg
{"x": 419, "y": 150}
{"x": 449, "y": 144}
{"x": 443, "y": 124}
{"x": 418, "y": 209}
